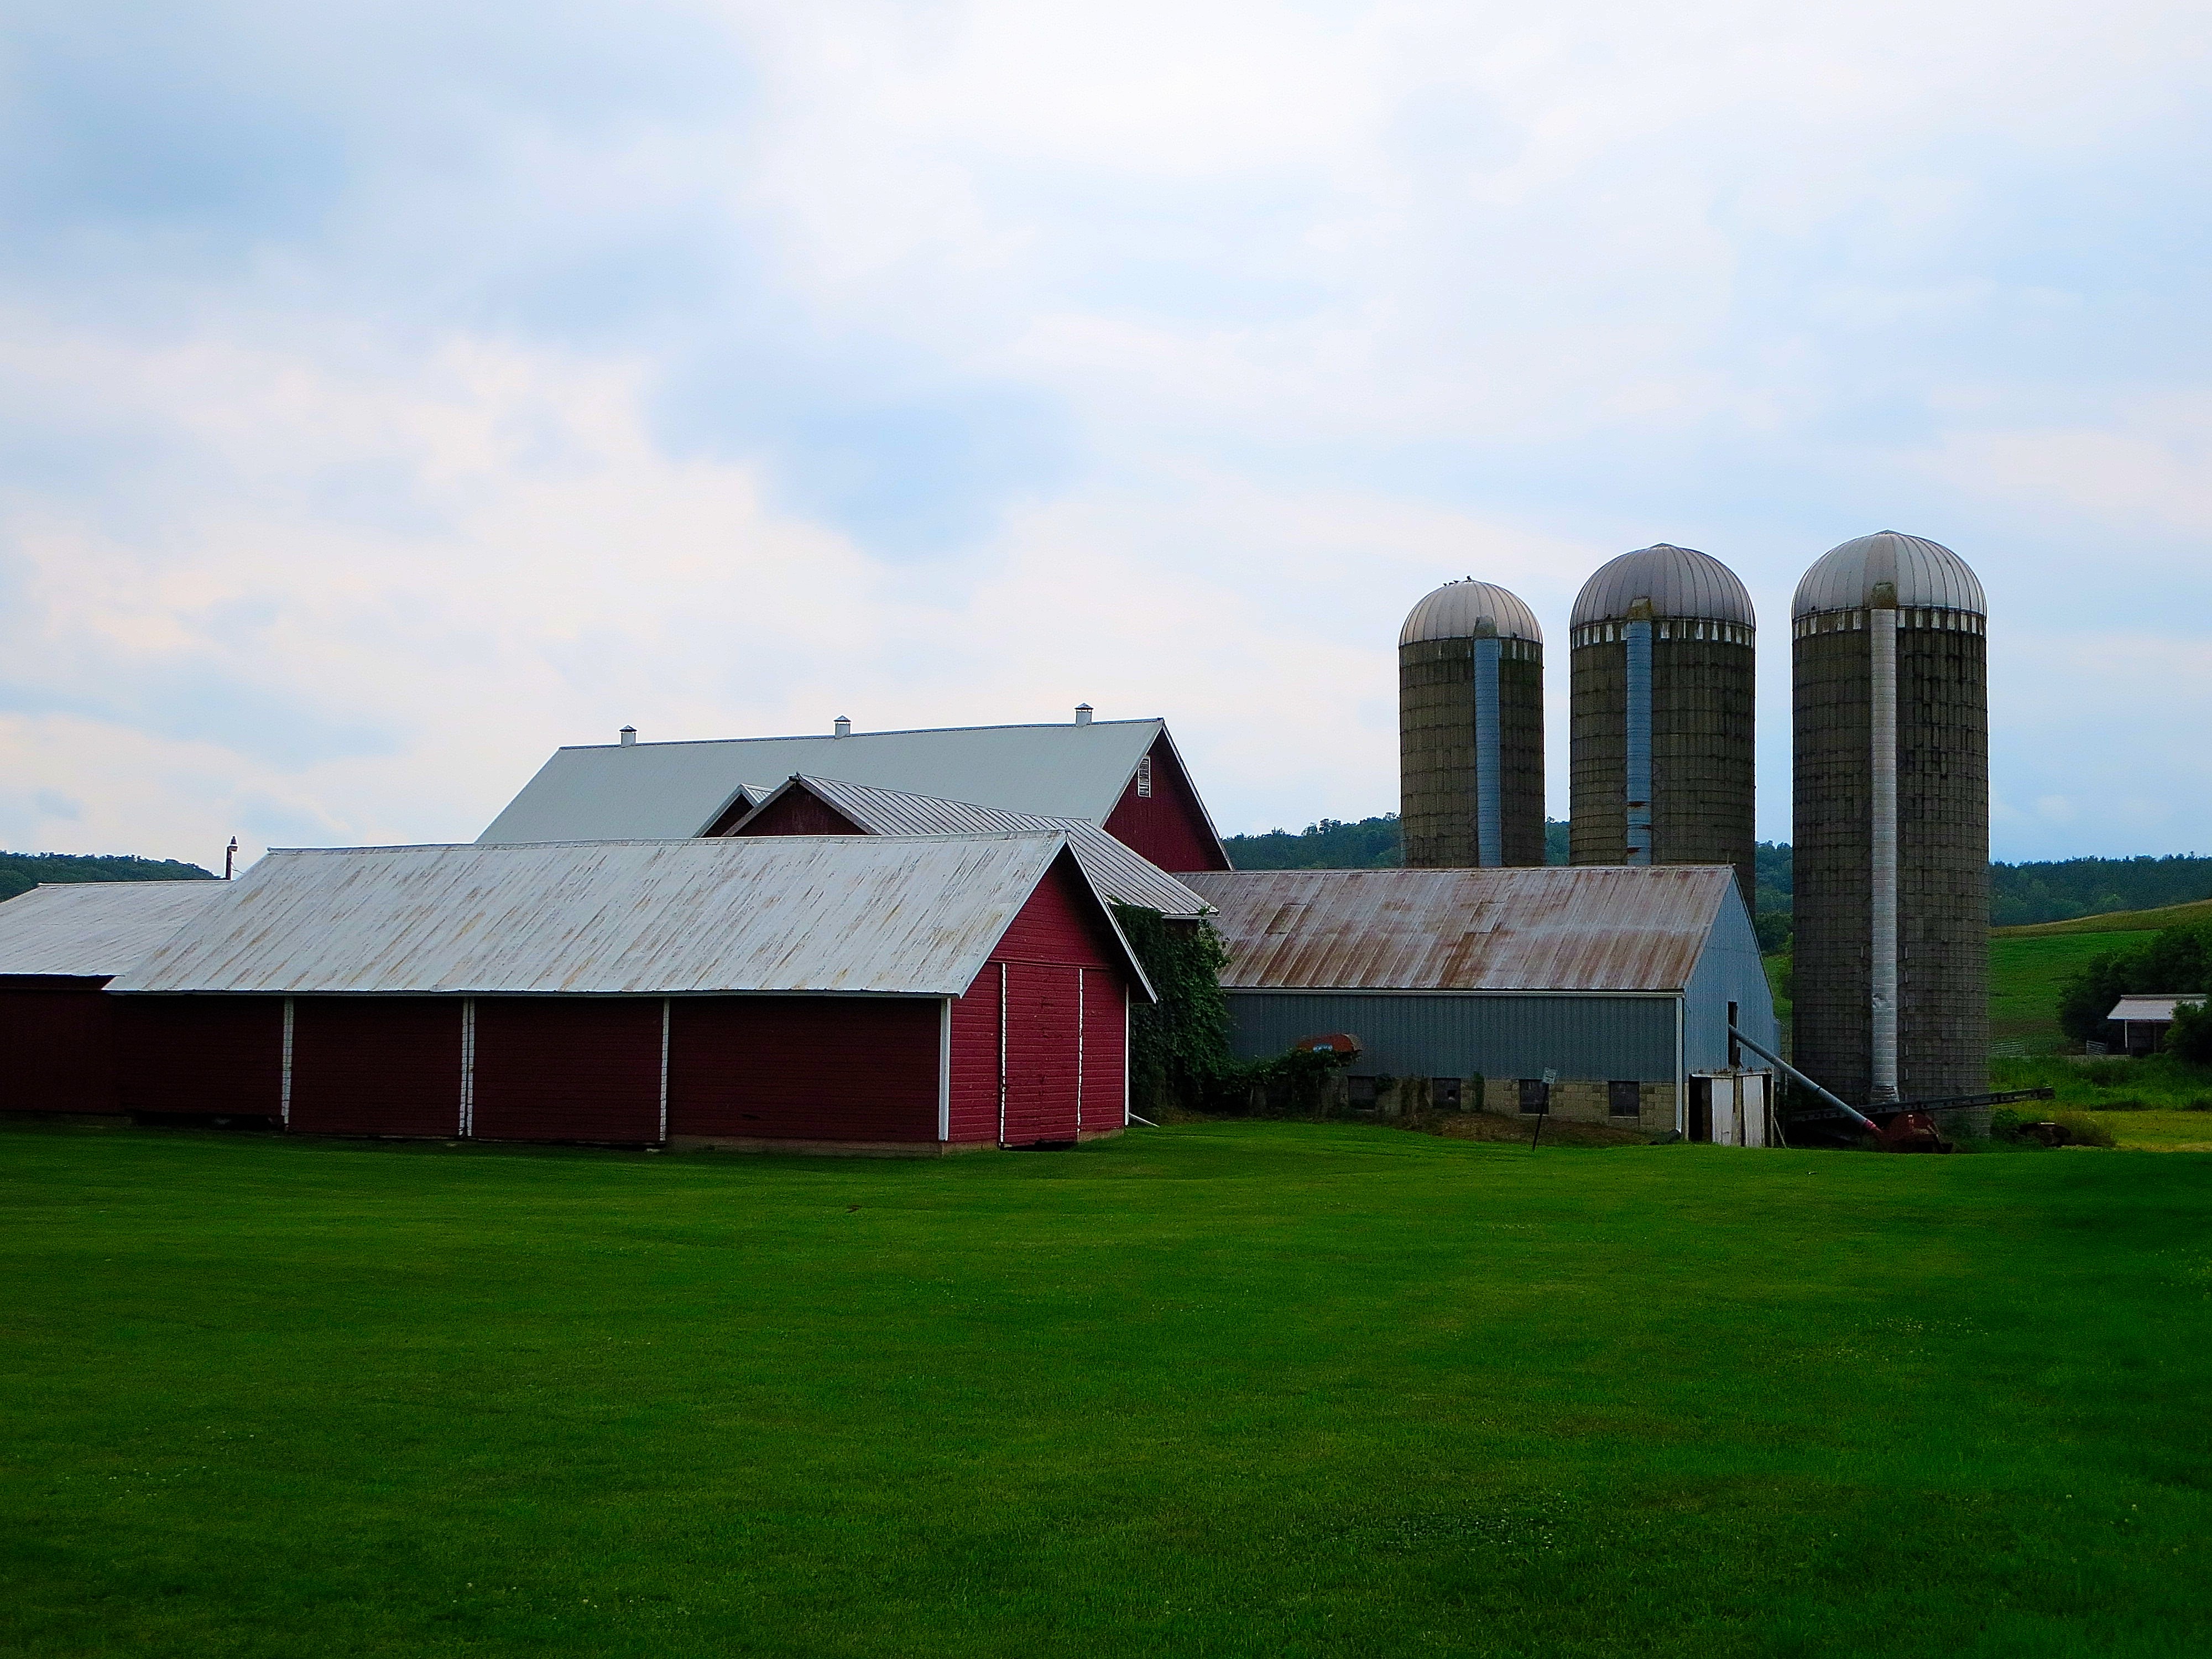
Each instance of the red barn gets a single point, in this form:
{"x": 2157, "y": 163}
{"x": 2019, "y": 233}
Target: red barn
{"x": 1123, "y": 776}
{"x": 906, "y": 995}
{"x": 60, "y": 944}
{"x": 824, "y": 806}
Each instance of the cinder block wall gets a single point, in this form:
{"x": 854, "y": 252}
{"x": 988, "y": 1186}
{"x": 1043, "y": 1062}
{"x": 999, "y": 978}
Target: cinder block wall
{"x": 1436, "y": 753}
{"x": 1704, "y": 744}
{"x": 1942, "y": 812}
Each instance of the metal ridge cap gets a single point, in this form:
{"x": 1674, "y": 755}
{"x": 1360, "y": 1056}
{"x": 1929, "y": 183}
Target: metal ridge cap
{"x": 888, "y": 732}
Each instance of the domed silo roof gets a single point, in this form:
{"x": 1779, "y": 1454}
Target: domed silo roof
{"x": 1452, "y": 611}
{"x": 1679, "y": 581}
{"x": 1925, "y": 574}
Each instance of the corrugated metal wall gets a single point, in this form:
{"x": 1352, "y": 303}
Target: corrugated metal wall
{"x": 56, "y": 1047}
{"x": 1729, "y": 971}
{"x": 223, "y": 1055}
{"x": 567, "y": 1068}
{"x": 804, "y": 1068}
{"x": 376, "y": 1066}
{"x": 1458, "y": 1034}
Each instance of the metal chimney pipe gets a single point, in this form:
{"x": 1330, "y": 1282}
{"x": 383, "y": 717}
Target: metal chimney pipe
{"x": 628, "y": 736}
{"x": 840, "y": 727}
{"x": 1083, "y": 714}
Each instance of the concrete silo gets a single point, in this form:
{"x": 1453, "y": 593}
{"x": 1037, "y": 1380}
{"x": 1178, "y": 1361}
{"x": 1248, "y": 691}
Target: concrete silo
{"x": 1661, "y": 757}
{"x": 1471, "y": 730}
{"x": 1893, "y": 822}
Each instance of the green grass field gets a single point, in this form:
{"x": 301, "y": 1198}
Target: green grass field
{"x": 2159, "y": 1132}
{"x": 2025, "y": 976}
{"x": 1224, "y": 1389}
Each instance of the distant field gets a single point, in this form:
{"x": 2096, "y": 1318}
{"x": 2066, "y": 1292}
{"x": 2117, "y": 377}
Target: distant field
{"x": 1224, "y": 1389}
{"x": 2027, "y": 974}
{"x": 2115, "y": 921}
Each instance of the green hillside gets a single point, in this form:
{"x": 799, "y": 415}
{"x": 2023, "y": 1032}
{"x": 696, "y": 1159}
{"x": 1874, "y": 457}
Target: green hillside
{"x": 22, "y": 872}
{"x": 2026, "y": 975}
{"x": 2117, "y": 922}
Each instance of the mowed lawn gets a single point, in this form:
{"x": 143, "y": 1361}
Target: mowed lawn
{"x": 1226, "y": 1390}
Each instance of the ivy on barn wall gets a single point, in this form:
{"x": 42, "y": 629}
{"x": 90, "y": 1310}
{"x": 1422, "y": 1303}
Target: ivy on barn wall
{"x": 1179, "y": 1045}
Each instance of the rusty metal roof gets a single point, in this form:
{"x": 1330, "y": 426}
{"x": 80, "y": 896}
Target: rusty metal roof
{"x": 770, "y": 914}
{"x": 1116, "y": 869}
{"x": 92, "y": 929}
{"x": 1595, "y": 928}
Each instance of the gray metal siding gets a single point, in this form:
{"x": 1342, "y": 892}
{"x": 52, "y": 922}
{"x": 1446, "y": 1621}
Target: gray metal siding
{"x": 1729, "y": 970}
{"x": 1458, "y": 1034}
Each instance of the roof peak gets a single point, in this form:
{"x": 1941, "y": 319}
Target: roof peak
{"x": 886, "y": 731}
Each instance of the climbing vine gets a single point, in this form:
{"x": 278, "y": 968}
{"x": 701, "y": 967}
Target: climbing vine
{"x": 1178, "y": 1045}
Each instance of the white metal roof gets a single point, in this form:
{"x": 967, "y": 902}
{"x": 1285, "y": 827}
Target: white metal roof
{"x": 92, "y": 929}
{"x": 1549, "y": 928}
{"x": 655, "y": 790}
{"x": 770, "y": 914}
{"x": 2150, "y": 1007}
{"x": 1115, "y": 870}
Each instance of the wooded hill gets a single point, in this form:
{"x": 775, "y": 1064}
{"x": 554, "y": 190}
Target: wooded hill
{"x": 22, "y": 872}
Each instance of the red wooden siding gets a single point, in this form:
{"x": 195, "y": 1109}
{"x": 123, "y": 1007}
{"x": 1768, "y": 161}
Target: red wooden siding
{"x": 567, "y": 1068}
{"x": 1041, "y": 1053}
{"x": 974, "y": 1094}
{"x": 1060, "y": 923}
{"x": 1105, "y": 1053}
{"x": 1057, "y": 933}
{"x": 798, "y": 812}
{"x": 804, "y": 1068}
{"x": 56, "y": 1047}
{"x": 1169, "y": 828}
{"x": 223, "y": 1055}
{"x": 376, "y": 1066}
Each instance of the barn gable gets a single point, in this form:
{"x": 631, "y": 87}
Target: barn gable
{"x": 1095, "y": 771}
{"x": 808, "y": 805}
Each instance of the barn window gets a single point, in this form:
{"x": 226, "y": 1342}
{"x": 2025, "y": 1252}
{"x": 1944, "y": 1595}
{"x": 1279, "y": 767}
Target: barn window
{"x": 1145, "y": 778}
{"x": 1535, "y": 1094}
{"x": 1623, "y": 1097}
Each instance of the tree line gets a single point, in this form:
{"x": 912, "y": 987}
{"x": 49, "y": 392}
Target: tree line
{"x": 22, "y": 872}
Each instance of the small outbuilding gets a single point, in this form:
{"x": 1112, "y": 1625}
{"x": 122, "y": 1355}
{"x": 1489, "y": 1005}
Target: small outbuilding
{"x": 855, "y": 994}
{"x": 1600, "y": 992}
{"x": 2141, "y": 1022}
{"x": 60, "y": 944}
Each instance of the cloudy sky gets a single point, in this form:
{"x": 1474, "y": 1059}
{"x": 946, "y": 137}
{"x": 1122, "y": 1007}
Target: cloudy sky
{"x": 392, "y": 393}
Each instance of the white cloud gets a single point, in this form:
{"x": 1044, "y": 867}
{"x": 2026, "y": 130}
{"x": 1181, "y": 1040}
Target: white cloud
{"x": 1245, "y": 325}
